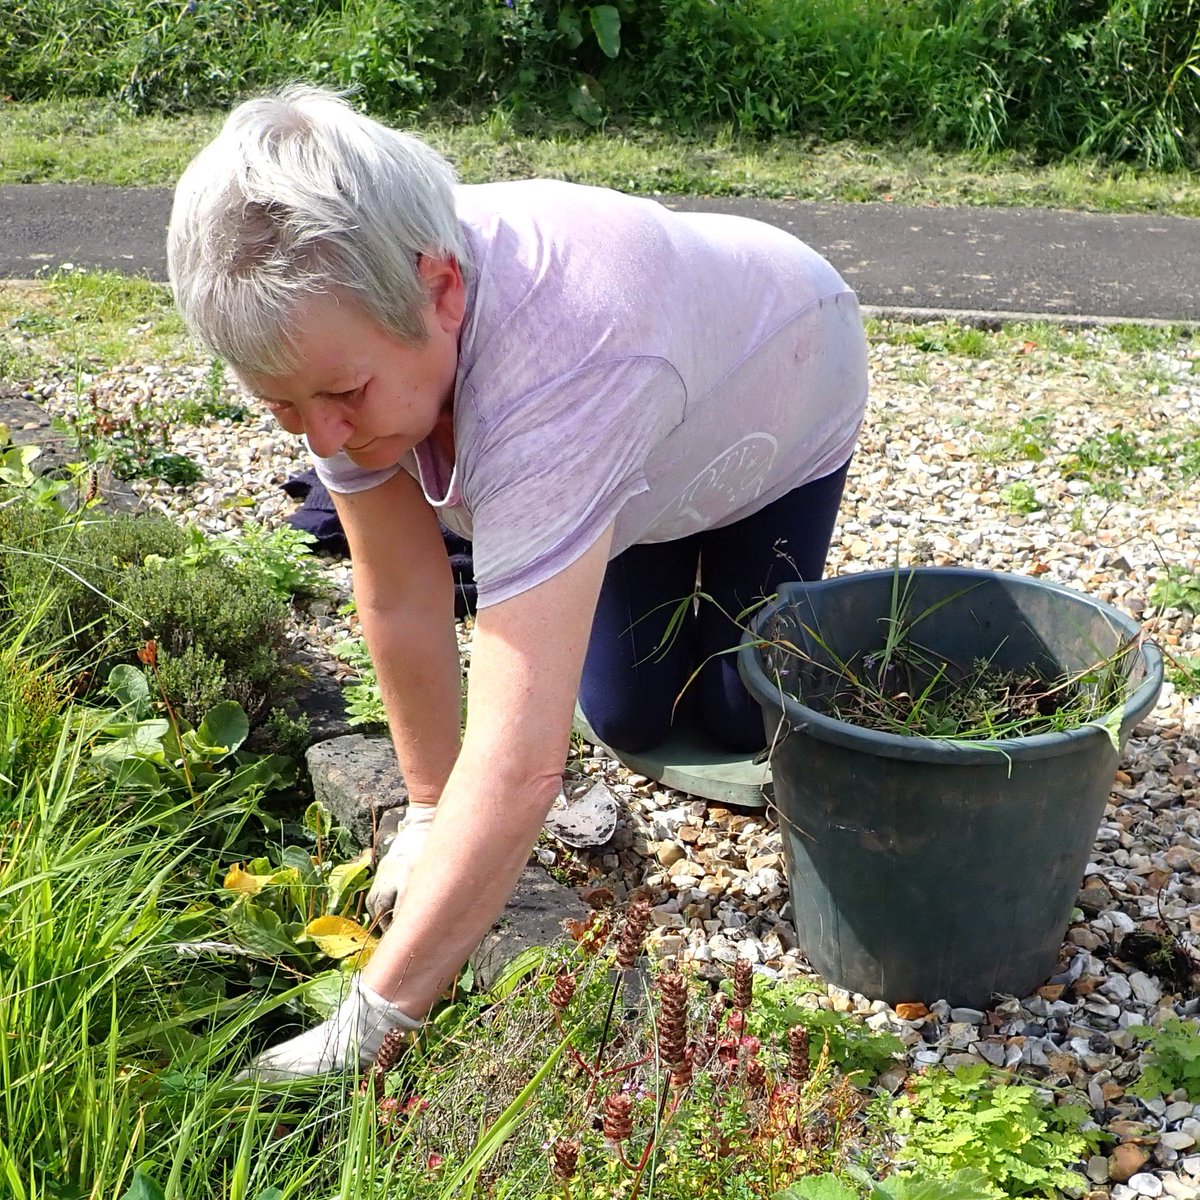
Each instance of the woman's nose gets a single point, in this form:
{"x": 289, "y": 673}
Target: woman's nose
{"x": 326, "y": 429}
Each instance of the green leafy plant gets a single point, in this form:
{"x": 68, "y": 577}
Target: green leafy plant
{"x": 1027, "y": 440}
{"x": 17, "y": 476}
{"x": 1184, "y": 672}
{"x": 220, "y": 632}
{"x": 294, "y": 908}
{"x": 1178, "y": 588}
{"x": 1120, "y": 81}
{"x": 280, "y": 558}
{"x": 859, "y": 1052}
{"x": 363, "y": 698}
{"x": 213, "y": 403}
{"x": 218, "y": 614}
{"x": 164, "y": 755}
{"x": 963, "y": 1120}
{"x": 119, "y": 580}
{"x": 1107, "y": 463}
{"x": 961, "y": 1185}
{"x": 1021, "y": 497}
{"x": 1173, "y": 1059}
{"x": 134, "y": 444}
{"x": 950, "y": 337}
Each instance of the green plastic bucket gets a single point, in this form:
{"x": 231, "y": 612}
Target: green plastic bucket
{"x": 922, "y": 868}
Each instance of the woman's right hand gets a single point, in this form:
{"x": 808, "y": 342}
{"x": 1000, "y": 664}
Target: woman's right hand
{"x": 391, "y": 875}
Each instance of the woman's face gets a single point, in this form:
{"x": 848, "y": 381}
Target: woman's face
{"x": 359, "y": 388}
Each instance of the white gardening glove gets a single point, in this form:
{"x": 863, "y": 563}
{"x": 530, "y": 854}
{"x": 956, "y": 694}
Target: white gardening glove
{"x": 349, "y": 1037}
{"x": 391, "y": 875}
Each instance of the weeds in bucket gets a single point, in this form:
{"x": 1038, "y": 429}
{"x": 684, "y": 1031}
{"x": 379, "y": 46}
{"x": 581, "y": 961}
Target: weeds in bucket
{"x": 903, "y": 686}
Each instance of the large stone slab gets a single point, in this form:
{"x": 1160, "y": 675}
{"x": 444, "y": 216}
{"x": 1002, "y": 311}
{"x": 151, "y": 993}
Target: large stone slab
{"x": 358, "y": 779}
{"x": 319, "y": 697}
{"x": 533, "y": 917}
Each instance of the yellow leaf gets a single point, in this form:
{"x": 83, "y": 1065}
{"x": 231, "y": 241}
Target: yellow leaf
{"x": 356, "y": 962}
{"x": 238, "y": 880}
{"x": 338, "y": 936}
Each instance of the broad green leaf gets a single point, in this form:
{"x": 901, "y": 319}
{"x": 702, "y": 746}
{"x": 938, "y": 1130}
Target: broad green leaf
{"x": 325, "y": 992}
{"x": 818, "y": 1187}
{"x": 297, "y": 859}
{"x": 317, "y": 819}
{"x": 962, "y": 1185}
{"x": 225, "y": 725}
{"x": 135, "y": 772}
{"x": 271, "y": 1193}
{"x": 133, "y": 739}
{"x": 570, "y": 26}
{"x": 606, "y": 24}
{"x": 525, "y": 962}
{"x": 129, "y": 687}
{"x": 1111, "y": 725}
{"x": 346, "y": 878}
{"x": 260, "y": 930}
{"x": 142, "y": 1187}
{"x": 584, "y": 103}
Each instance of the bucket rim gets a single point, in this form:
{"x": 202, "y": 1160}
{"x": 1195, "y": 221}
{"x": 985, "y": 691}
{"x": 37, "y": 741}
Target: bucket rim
{"x": 800, "y": 718}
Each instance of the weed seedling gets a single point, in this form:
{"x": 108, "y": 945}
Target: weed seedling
{"x": 1020, "y": 497}
{"x": 1178, "y": 588}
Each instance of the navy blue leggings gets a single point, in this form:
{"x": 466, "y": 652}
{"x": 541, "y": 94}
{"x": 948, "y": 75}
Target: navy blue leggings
{"x": 632, "y": 677}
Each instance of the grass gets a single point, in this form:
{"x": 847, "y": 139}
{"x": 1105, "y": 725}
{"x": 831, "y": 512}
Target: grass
{"x": 100, "y": 143}
{"x": 89, "y": 321}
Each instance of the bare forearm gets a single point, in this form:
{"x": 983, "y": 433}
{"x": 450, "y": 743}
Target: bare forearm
{"x": 416, "y": 663}
{"x": 481, "y": 840}
{"x": 525, "y": 666}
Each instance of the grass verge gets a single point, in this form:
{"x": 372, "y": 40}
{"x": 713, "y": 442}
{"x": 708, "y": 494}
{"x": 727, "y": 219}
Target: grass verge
{"x": 100, "y": 143}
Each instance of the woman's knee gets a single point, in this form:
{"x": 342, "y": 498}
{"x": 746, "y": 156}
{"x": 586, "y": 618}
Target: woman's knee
{"x": 629, "y": 726}
{"x": 731, "y": 716}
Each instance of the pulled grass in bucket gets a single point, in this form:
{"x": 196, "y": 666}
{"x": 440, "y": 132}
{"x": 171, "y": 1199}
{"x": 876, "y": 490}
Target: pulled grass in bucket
{"x": 912, "y": 691}
{"x": 905, "y": 687}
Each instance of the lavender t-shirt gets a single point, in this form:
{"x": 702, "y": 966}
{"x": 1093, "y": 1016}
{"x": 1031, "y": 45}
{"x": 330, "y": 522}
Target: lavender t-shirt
{"x": 620, "y": 362}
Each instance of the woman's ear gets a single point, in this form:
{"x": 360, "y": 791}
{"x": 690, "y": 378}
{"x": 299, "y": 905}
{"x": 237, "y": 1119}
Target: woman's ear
{"x": 443, "y": 283}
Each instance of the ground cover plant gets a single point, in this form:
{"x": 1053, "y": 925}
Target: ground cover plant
{"x": 1016, "y": 1142}
{"x": 113, "y": 583}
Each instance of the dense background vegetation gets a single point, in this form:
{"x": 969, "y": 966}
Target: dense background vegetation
{"x": 1114, "y": 78}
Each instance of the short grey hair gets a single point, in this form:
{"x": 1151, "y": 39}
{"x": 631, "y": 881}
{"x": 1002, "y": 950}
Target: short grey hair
{"x": 300, "y": 196}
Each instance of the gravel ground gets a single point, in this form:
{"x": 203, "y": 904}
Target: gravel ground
{"x": 947, "y": 437}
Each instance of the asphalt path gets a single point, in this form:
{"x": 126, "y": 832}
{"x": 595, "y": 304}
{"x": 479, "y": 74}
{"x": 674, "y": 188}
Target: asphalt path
{"x": 972, "y": 261}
